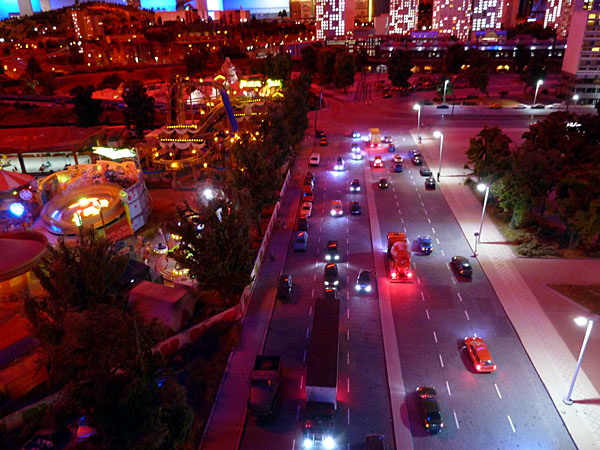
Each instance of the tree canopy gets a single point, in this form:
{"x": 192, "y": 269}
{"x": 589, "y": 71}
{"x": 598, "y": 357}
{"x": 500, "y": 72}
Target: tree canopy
{"x": 139, "y": 111}
{"x": 87, "y": 109}
{"x": 343, "y": 70}
{"x": 399, "y": 68}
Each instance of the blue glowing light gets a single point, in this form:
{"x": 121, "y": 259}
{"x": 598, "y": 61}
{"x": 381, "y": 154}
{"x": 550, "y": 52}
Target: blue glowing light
{"x": 17, "y": 209}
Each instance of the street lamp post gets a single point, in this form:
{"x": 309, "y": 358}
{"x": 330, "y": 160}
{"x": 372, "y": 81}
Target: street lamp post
{"x": 418, "y": 108}
{"x": 581, "y": 321}
{"x": 575, "y": 98}
{"x": 537, "y": 87}
{"x": 445, "y": 86}
{"x": 482, "y": 187}
{"x": 440, "y": 135}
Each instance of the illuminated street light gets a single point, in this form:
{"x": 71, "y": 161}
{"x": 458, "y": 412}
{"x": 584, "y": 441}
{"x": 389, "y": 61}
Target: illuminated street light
{"x": 575, "y": 99}
{"x": 445, "y": 86}
{"x": 581, "y": 321}
{"x": 440, "y": 135}
{"x": 417, "y": 107}
{"x": 209, "y": 194}
{"x": 481, "y": 187}
{"x": 537, "y": 87}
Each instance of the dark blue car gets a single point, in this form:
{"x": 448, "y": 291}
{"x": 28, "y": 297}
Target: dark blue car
{"x": 425, "y": 245}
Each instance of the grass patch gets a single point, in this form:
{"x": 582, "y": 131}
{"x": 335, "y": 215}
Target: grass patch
{"x": 587, "y": 295}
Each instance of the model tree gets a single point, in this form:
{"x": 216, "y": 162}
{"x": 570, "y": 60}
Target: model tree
{"x": 87, "y": 109}
{"x": 139, "y": 111}
{"x": 343, "y": 70}
{"x": 399, "y": 68}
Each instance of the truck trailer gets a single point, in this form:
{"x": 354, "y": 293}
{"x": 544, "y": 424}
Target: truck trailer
{"x": 321, "y": 375}
{"x": 399, "y": 257}
{"x": 374, "y": 137}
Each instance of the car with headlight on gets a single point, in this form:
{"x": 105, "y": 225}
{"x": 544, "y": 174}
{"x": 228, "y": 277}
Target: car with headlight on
{"x": 306, "y": 209}
{"x": 357, "y": 155}
{"x": 355, "y": 147}
{"x": 398, "y": 159}
{"x": 430, "y": 409}
{"x": 330, "y": 275}
{"x": 479, "y": 354}
{"x": 355, "y": 134}
{"x": 331, "y": 252}
{"x": 355, "y": 185}
{"x": 462, "y": 266}
{"x": 336, "y": 208}
{"x": 339, "y": 164}
{"x": 425, "y": 245}
{"x": 383, "y": 183}
{"x": 301, "y": 241}
{"x": 378, "y": 162}
{"x": 355, "y": 209}
{"x": 284, "y": 290}
{"x": 363, "y": 281}
{"x": 414, "y": 152}
{"x": 417, "y": 160}
{"x": 387, "y": 139}
{"x": 430, "y": 183}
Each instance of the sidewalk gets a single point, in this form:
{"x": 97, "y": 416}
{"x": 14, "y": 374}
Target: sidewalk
{"x": 526, "y": 306}
{"x": 226, "y": 423}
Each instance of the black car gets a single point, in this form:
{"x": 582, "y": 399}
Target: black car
{"x": 302, "y": 223}
{"x": 332, "y": 253}
{"x": 383, "y": 183}
{"x": 323, "y": 142}
{"x": 417, "y": 160}
{"x": 425, "y": 171}
{"x": 355, "y": 209}
{"x": 430, "y": 408}
{"x": 284, "y": 290}
{"x": 330, "y": 294}
{"x": 320, "y": 133}
{"x": 363, "y": 281}
{"x": 355, "y": 185}
{"x": 414, "y": 152}
{"x": 331, "y": 275}
{"x": 462, "y": 266}
{"x": 429, "y": 183}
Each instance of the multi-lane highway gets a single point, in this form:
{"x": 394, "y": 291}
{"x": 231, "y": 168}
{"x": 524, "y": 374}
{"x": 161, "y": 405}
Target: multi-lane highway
{"x": 431, "y": 316}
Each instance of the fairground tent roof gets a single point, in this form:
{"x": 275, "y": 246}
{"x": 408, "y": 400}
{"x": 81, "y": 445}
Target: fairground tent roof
{"x": 48, "y": 139}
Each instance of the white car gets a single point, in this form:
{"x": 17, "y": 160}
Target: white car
{"x": 387, "y": 139}
{"x": 336, "y": 208}
{"x": 520, "y": 106}
{"x": 555, "y": 106}
{"x": 357, "y": 155}
{"x": 355, "y": 135}
{"x": 306, "y": 209}
{"x": 398, "y": 158}
{"x": 315, "y": 159}
{"x": 339, "y": 165}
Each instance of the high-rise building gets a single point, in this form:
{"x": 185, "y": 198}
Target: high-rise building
{"x": 403, "y": 16}
{"x": 581, "y": 64}
{"x": 362, "y": 10}
{"x": 558, "y": 16}
{"x": 25, "y": 8}
{"x": 302, "y": 9}
{"x": 331, "y": 19}
{"x": 509, "y": 17}
{"x": 452, "y": 17}
{"x": 87, "y": 28}
{"x": 487, "y": 15}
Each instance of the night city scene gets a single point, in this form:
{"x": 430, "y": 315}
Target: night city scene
{"x": 299, "y": 224}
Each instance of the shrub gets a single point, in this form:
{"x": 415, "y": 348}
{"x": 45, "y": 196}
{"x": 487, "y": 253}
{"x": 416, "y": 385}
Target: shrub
{"x": 536, "y": 249}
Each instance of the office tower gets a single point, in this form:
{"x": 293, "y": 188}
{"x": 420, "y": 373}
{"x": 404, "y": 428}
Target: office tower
{"x": 25, "y": 8}
{"x": 330, "y": 15}
{"x": 509, "y": 17}
{"x": 452, "y": 17}
{"x": 403, "y": 16}
{"x": 581, "y": 64}
{"x": 302, "y": 9}
{"x": 487, "y": 15}
{"x": 558, "y": 15}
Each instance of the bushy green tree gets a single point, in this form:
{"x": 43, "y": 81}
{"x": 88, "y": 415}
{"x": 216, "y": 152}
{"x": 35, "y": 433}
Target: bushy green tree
{"x": 522, "y": 58}
{"x": 296, "y": 106}
{"x": 278, "y": 67}
{"x": 309, "y": 59}
{"x": 33, "y": 67}
{"x": 535, "y": 71}
{"x": 478, "y": 63}
{"x": 195, "y": 62}
{"x": 343, "y": 71}
{"x": 488, "y": 154}
{"x": 325, "y": 65}
{"x": 455, "y": 58}
{"x": 87, "y": 109}
{"x": 399, "y": 68}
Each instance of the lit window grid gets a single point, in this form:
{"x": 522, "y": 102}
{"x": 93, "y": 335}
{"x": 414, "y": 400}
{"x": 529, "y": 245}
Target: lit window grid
{"x": 487, "y": 14}
{"x": 452, "y": 17}
{"x": 330, "y": 18}
{"x": 403, "y": 16}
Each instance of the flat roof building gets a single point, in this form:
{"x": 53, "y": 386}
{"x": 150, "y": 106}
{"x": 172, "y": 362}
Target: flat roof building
{"x": 452, "y": 18}
{"x": 403, "y": 16}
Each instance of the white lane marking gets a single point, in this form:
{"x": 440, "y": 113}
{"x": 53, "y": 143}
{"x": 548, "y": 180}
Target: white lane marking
{"x": 401, "y": 219}
{"x": 456, "y": 421}
{"x": 399, "y": 211}
{"x": 310, "y": 311}
{"x": 422, "y": 296}
{"x": 442, "y": 252}
{"x": 438, "y": 241}
{"x": 307, "y": 332}
{"x": 348, "y": 358}
{"x": 448, "y": 387}
{"x": 498, "y": 391}
{"x": 318, "y": 250}
{"x": 418, "y": 280}
{"x": 348, "y": 416}
{"x": 301, "y": 381}
{"x": 312, "y": 294}
{"x": 441, "y": 360}
{"x": 347, "y": 276}
{"x": 427, "y": 313}
{"x": 347, "y": 240}
{"x": 467, "y": 315}
{"x": 294, "y": 441}
{"x": 511, "y": 424}
{"x": 453, "y": 281}
{"x": 425, "y": 211}
{"x": 395, "y": 196}
{"x": 459, "y": 296}
{"x": 435, "y": 337}
{"x": 428, "y": 220}
{"x": 433, "y": 229}
{"x": 397, "y": 204}
{"x": 317, "y": 264}
{"x": 347, "y": 230}
{"x": 423, "y": 204}
{"x": 315, "y": 277}
{"x": 348, "y": 385}
{"x": 304, "y": 357}
{"x": 405, "y": 230}
{"x": 348, "y": 335}
{"x": 347, "y": 313}
{"x": 297, "y": 414}
{"x": 320, "y": 229}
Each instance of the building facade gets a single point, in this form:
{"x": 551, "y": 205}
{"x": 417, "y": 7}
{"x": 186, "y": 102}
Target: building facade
{"x": 581, "y": 64}
{"x": 87, "y": 27}
{"x": 487, "y": 15}
{"x": 303, "y": 10}
{"x": 403, "y": 16}
{"x": 331, "y": 19}
{"x": 558, "y": 15}
{"x": 452, "y": 18}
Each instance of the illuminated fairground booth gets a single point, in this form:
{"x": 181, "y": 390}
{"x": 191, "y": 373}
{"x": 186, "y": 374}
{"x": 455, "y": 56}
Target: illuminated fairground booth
{"x": 109, "y": 195}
